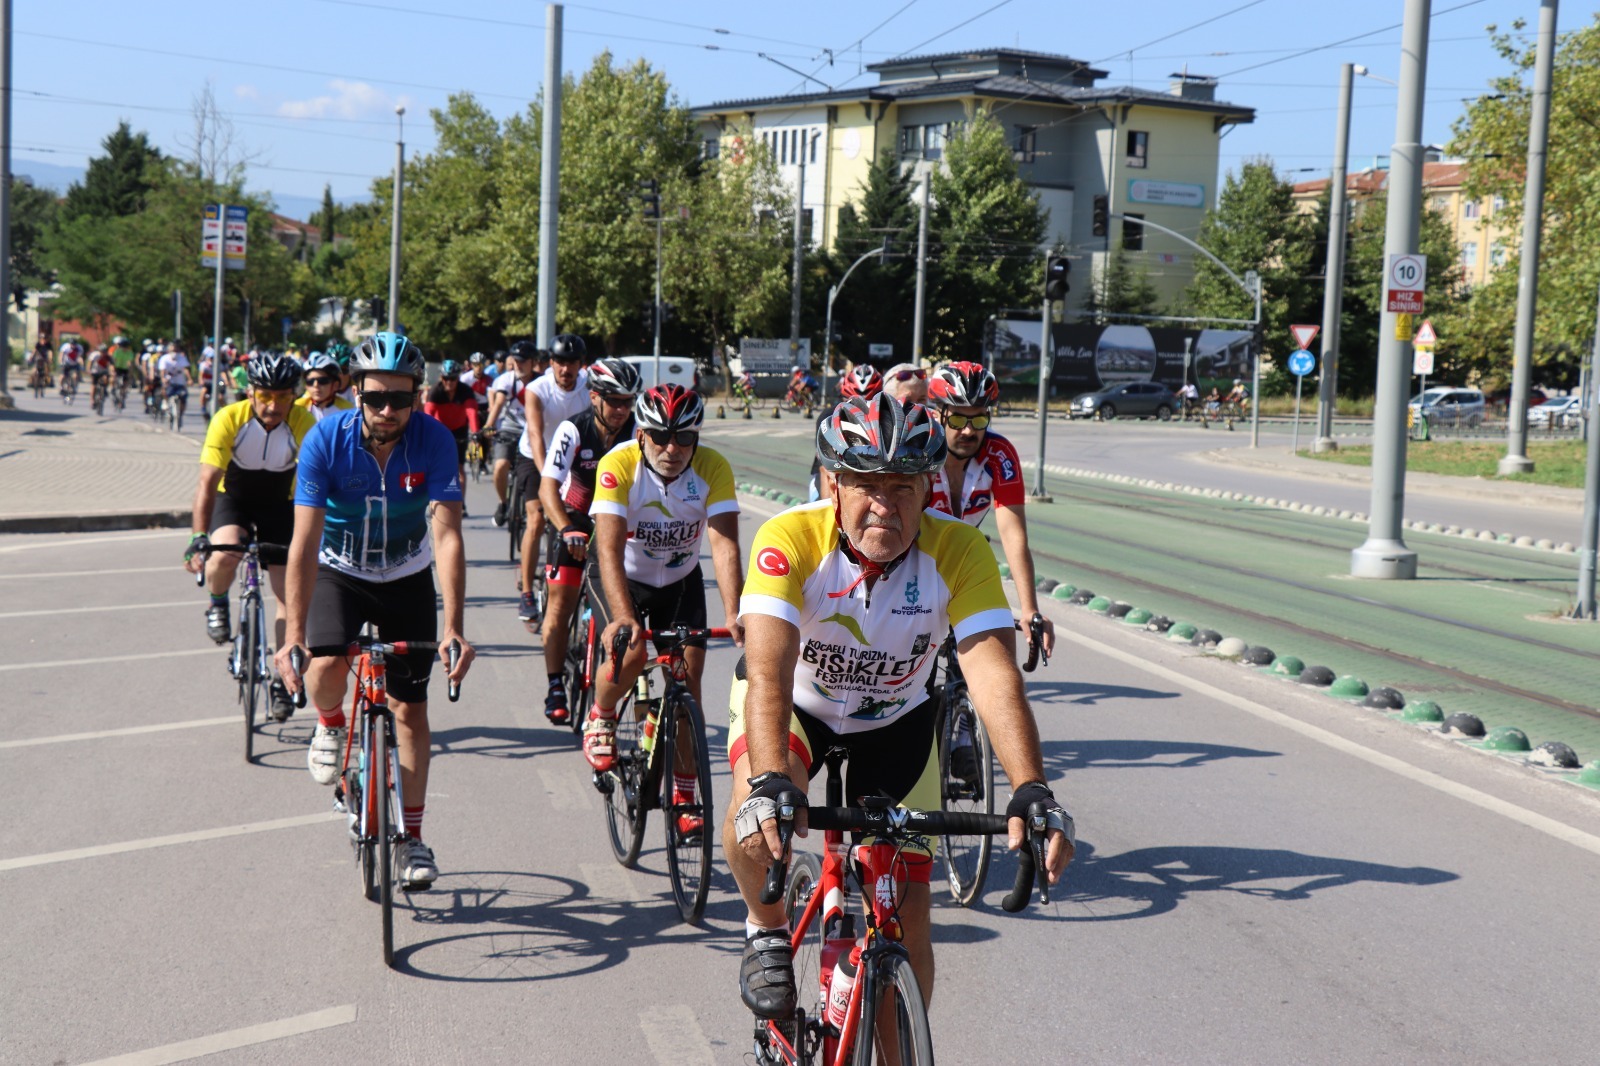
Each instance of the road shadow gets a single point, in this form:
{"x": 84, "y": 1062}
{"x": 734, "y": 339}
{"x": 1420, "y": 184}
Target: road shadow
{"x": 502, "y": 742}
{"x": 523, "y": 927}
{"x": 1062, "y": 756}
{"x": 21, "y": 415}
{"x": 1147, "y": 882}
{"x": 1088, "y": 693}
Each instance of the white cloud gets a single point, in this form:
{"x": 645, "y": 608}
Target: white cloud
{"x": 247, "y": 92}
{"x": 349, "y": 99}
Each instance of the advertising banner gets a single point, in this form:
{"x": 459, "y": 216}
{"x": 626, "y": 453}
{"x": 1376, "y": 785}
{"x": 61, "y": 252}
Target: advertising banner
{"x": 1089, "y": 357}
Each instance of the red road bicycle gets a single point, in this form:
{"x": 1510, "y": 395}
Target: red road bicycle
{"x": 862, "y": 977}
{"x": 368, "y": 790}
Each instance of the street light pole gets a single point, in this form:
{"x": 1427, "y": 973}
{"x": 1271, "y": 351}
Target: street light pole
{"x": 394, "y": 236}
{"x": 799, "y": 253}
{"x": 550, "y": 177}
{"x": 5, "y": 196}
{"x": 833, "y": 294}
{"x": 1384, "y": 554}
{"x": 922, "y": 271}
{"x": 1516, "y": 460}
{"x": 1587, "y": 407}
{"x": 1333, "y": 282}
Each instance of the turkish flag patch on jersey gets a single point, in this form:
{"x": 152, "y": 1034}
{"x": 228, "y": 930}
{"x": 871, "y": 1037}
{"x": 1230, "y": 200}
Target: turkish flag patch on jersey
{"x": 772, "y": 562}
{"x": 608, "y": 480}
{"x": 413, "y": 480}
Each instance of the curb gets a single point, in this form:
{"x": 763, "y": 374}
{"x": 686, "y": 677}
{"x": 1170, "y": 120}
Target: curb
{"x": 97, "y": 522}
{"x": 1509, "y": 539}
{"x": 1552, "y": 758}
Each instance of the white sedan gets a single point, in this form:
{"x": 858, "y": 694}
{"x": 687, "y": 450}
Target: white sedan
{"x": 1561, "y": 411}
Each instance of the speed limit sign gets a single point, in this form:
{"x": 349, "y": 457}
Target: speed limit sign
{"x": 1407, "y": 281}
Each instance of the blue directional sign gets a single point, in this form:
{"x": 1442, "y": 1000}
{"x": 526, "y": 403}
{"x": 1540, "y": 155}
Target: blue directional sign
{"x": 1302, "y": 363}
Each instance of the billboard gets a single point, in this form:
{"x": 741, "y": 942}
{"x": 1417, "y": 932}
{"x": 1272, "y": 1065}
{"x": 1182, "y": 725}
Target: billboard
{"x": 1089, "y": 357}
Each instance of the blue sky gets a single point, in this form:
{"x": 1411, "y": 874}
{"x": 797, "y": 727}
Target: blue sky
{"x": 311, "y": 85}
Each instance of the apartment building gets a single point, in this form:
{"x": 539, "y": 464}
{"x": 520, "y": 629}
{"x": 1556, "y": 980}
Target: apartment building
{"x": 1153, "y": 154}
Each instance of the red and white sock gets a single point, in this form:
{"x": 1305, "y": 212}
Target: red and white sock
{"x": 330, "y": 717}
{"x": 412, "y": 816}
{"x": 683, "y": 786}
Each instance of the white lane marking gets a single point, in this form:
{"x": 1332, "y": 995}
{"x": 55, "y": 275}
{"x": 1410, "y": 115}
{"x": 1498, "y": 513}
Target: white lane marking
{"x": 190, "y": 602}
{"x": 562, "y": 790}
{"x": 1532, "y": 819}
{"x": 185, "y": 1050}
{"x": 109, "y": 659}
{"x": 171, "y": 534}
{"x": 171, "y": 568}
{"x": 674, "y": 1036}
{"x": 609, "y": 881}
{"x": 50, "y": 857}
{"x": 126, "y": 731}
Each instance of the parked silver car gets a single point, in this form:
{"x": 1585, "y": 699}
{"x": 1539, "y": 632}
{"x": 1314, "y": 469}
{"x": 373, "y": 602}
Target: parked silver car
{"x": 1136, "y": 399}
{"x": 1448, "y": 405}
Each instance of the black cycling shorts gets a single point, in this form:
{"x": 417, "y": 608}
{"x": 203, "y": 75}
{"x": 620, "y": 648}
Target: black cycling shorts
{"x": 525, "y": 478}
{"x": 461, "y": 445}
{"x": 682, "y": 602}
{"x": 273, "y": 522}
{"x": 403, "y": 609}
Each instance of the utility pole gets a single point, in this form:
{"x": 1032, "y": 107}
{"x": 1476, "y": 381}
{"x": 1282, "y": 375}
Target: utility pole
{"x": 1252, "y": 278}
{"x": 922, "y": 270}
{"x": 216, "y": 312}
{"x": 799, "y": 254}
{"x": 1333, "y": 283}
{"x": 1591, "y": 481}
{"x": 394, "y": 236}
{"x": 1384, "y": 554}
{"x": 5, "y": 195}
{"x": 1516, "y": 460}
{"x": 550, "y": 175}
{"x": 833, "y": 294}
{"x": 177, "y": 315}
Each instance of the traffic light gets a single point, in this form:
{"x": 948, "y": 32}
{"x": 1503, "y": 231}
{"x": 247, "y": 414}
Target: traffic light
{"x": 650, "y": 193}
{"x": 380, "y": 309}
{"x": 1102, "y": 214}
{"x": 1056, "y": 269}
{"x": 668, "y": 312}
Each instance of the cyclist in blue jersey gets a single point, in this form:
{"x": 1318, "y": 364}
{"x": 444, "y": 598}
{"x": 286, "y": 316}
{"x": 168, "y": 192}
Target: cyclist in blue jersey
{"x": 362, "y": 554}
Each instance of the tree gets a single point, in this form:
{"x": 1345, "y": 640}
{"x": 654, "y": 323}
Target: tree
{"x": 1255, "y": 226}
{"x": 1492, "y": 135}
{"x": 989, "y": 230}
{"x": 876, "y": 306}
{"x": 1122, "y": 288}
{"x": 117, "y": 182}
{"x": 33, "y": 212}
{"x": 329, "y": 219}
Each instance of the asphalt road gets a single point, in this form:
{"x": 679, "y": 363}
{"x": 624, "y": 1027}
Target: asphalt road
{"x": 1264, "y": 875}
{"x": 1176, "y": 452}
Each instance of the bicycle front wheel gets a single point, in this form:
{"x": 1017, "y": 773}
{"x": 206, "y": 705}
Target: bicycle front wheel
{"x": 250, "y": 693}
{"x": 689, "y": 824}
{"x": 624, "y": 787}
{"x": 893, "y": 986}
{"x": 966, "y": 771}
{"x": 387, "y": 817}
{"x": 578, "y": 667}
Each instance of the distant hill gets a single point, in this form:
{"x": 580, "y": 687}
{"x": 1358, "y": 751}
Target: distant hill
{"x": 58, "y": 177}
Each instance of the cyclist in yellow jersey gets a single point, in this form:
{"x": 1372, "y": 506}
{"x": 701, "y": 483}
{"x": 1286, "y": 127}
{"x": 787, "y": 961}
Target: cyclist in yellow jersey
{"x": 247, "y": 469}
{"x": 847, "y": 601}
{"x": 655, "y": 497}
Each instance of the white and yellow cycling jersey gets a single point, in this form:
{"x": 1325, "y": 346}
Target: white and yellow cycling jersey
{"x": 665, "y": 521}
{"x": 253, "y": 458}
{"x": 865, "y": 657}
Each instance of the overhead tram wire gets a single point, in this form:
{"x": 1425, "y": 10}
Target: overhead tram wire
{"x": 952, "y": 29}
{"x": 1343, "y": 41}
{"x": 234, "y": 117}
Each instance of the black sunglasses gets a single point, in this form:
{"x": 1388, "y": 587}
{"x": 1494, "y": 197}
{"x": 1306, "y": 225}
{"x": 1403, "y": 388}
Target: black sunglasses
{"x": 378, "y": 399}
{"x": 321, "y": 381}
{"x": 617, "y": 401}
{"x": 686, "y": 438}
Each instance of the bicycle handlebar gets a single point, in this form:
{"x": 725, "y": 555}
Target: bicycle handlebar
{"x": 297, "y": 662}
{"x": 624, "y": 637}
{"x": 895, "y": 821}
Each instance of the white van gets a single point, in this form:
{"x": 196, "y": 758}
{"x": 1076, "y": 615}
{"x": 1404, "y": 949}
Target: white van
{"x": 675, "y": 370}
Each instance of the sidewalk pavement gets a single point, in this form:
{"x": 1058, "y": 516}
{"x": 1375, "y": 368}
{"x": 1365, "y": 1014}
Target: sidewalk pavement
{"x": 64, "y": 469}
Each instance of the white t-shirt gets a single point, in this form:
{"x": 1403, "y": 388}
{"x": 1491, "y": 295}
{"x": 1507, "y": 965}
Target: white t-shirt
{"x": 174, "y": 368}
{"x": 558, "y": 406}
{"x": 513, "y": 416}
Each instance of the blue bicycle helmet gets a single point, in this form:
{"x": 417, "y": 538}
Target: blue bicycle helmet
{"x": 388, "y": 353}
{"x": 321, "y": 361}
{"x": 449, "y": 369}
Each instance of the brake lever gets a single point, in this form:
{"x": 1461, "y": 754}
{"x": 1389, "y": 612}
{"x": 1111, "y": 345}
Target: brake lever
{"x": 619, "y": 648}
{"x": 455, "y": 657}
{"x": 297, "y": 663}
{"x": 778, "y": 872}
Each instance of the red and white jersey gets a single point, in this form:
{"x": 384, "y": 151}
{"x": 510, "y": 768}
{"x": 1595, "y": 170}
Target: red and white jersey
{"x": 993, "y": 479}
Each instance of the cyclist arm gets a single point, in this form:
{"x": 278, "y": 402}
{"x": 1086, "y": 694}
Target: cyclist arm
{"x": 610, "y": 532}
{"x": 450, "y": 559}
{"x": 550, "y": 501}
{"x": 724, "y": 536}
{"x": 535, "y": 409}
{"x": 771, "y": 648}
{"x": 1012, "y": 526}
{"x": 497, "y": 400}
{"x": 1003, "y": 706}
{"x": 205, "y": 500}
{"x": 300, "y": 577}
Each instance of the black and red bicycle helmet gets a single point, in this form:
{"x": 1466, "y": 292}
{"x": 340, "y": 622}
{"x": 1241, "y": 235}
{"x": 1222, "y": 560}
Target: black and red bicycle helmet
{"x": 963, "y": 384}
{"x": 880, "y": 436}
{"x": 863, "y": 381}
{"x": 669, "y": 407}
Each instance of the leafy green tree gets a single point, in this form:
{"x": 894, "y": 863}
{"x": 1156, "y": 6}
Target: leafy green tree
{"x": 876, "y": 307}
{"x": 1123, "y": 287}
{"x": 33, "y": 212}
{"x": 1255, "y": 226}
{"x": 1492, "y": 135}
{"x": 329, "y": 219}
{"x": 116, "y": 183}
{"x": 989, "y": 228}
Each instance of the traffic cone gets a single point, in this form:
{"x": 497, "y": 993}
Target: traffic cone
{"x": 774, "y": 412}
{"x": 720, "y": 412}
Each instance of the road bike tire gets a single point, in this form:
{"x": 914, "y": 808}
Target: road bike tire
{"x": 911, "y": 1032}
{"x": 688, "y": 857}
{"x": 624, "y": 797}
{"x": 577, "y": 667}
{"x": 250, "y": 683}
{"x": 805, "y": 875}
{"x": 516, "y": 518}
{"x": 966, "y": 858}
{"x": 386, "y": 849}
{"x": 367, "y": 811}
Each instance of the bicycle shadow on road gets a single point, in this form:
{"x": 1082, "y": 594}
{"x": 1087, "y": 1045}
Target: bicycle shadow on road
{"x": 502, "y": 742}
{"x": 1089, "y": 693}
{"x": 19, "y": 414}
{"x": 1062, "y": 756}
{"x": 1147, "y": 882}
{"x": 528, "y": 927}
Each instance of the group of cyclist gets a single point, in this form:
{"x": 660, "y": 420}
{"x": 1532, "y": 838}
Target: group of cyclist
{"x": 841, "y": 612}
